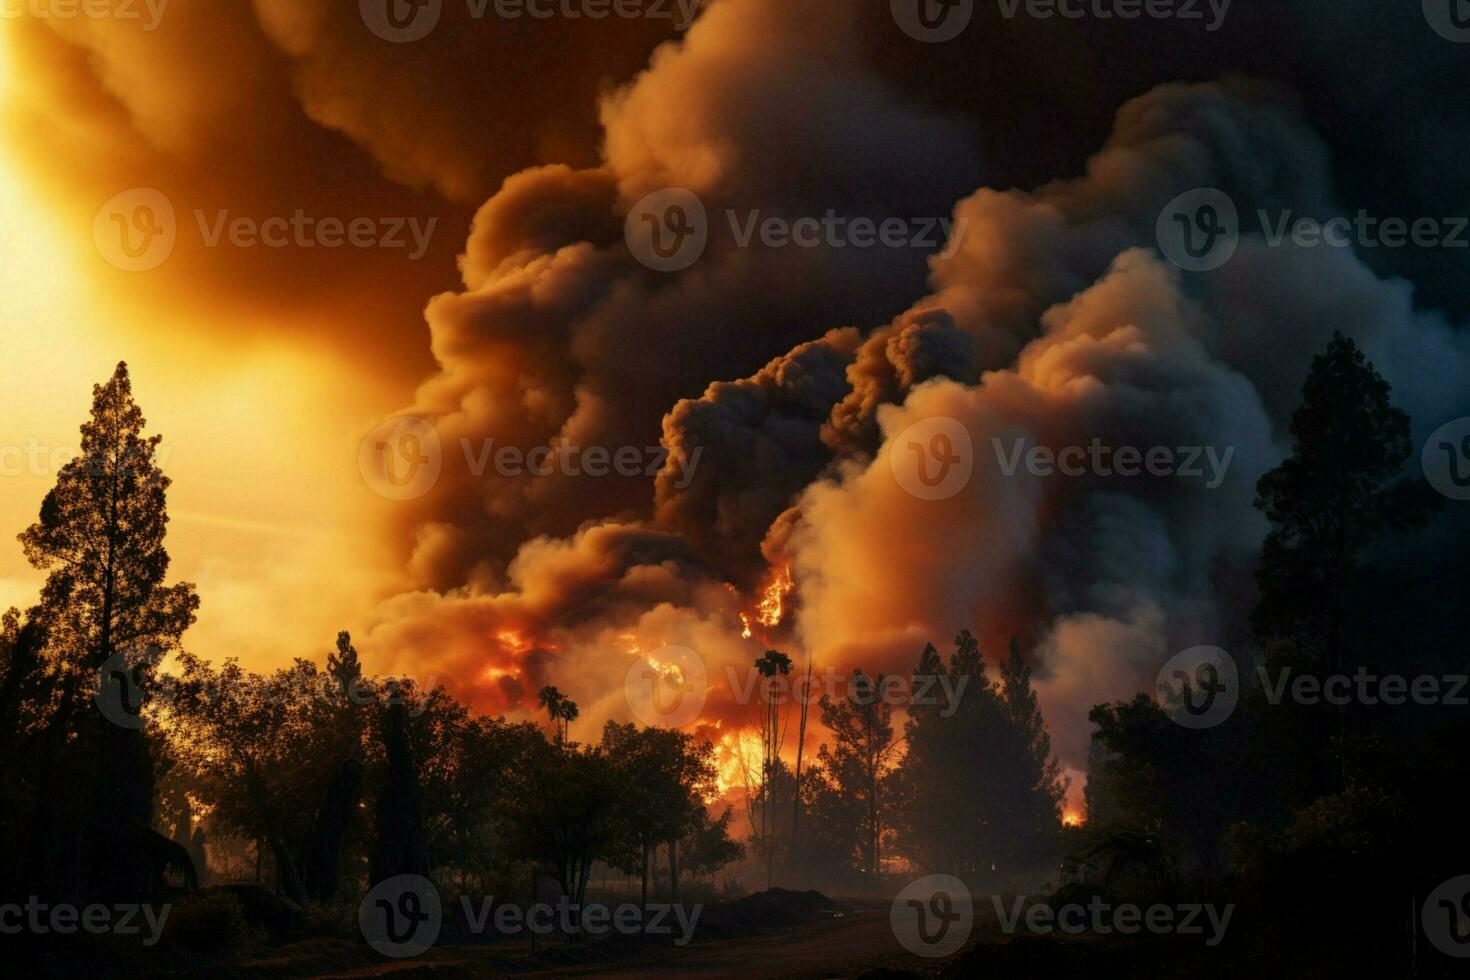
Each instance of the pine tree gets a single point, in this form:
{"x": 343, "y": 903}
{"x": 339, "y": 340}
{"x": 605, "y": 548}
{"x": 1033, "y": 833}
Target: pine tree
{"x": 1038, "y": 785}
{"x": 1340, "y": 489}
{"x": 100, "y": 536}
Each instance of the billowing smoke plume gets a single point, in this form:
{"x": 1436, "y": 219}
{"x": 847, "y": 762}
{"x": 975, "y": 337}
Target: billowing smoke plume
{"x": 1050, "y": 320}
{"x": 783, "y": 384}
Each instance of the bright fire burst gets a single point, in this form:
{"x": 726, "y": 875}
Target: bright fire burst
{"x": 514, "y": 641}
{"x": 737, "y": 753}
{"x": 772, "y": 607}
{"x": 1071, "y": 819}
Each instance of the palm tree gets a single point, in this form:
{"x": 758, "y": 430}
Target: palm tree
{"x": 569, "y": 714}
{"x": 774, "y": 662}
{"x": 552, "y": 700}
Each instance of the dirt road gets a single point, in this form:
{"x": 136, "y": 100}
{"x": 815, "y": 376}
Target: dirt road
{"x": 860, "y": 940}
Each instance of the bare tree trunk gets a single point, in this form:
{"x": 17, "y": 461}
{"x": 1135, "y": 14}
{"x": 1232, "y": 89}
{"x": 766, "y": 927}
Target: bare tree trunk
{"x": 643, "y": 892}
{"x": 806, "y": 698}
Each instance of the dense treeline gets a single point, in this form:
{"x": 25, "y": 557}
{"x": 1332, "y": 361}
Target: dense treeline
{"x": 1329, "y": 823}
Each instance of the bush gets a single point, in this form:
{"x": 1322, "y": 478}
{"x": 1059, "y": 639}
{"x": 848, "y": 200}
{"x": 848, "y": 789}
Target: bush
{"x": 209, "y": 921}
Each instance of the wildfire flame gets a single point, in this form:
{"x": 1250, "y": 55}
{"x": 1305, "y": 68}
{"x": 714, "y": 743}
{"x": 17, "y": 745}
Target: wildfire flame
{"x": 1072, "y": 819}
{"x": 772, "y": 607}
{"x": 736, "y": 754}
{"x": 514, "y": 641}
{"x": 744, "y": 626}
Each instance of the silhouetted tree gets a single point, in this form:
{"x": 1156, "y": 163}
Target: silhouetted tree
{"x": 561, "y": 709}
{"x": 707, "y": 845}
{"x": 980, "y": 792}
{"x": 100, "y": 536}
{"x": 400, "y": 846}
{"x": 772, "y": 664}
{"x": 664, "y": 776}
{"x": 860, "y": 761}
{"x": 560, "y": 811}
{"x": 1032, "y": 796}
{"x": 1341, "y": 487}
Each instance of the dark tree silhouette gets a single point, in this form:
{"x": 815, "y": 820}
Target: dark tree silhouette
{"x": 400, "y": 847}
{"x": 860, "y": 761}
{"x": 100, "y": 536}
{"x": 321, "y": 852}
{"x": 1340, "y": 489}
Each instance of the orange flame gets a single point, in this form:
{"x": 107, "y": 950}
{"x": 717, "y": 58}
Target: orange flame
{"x": 772, "y": 607}
{"x": 514, "y": 641}
{"x": 736, "y": 755}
